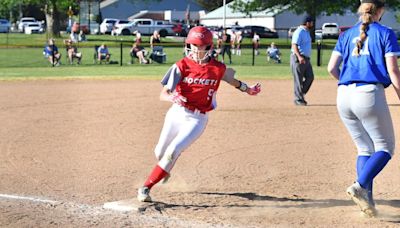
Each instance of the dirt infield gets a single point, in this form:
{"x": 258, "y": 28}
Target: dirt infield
{"x": 69, "y": 146}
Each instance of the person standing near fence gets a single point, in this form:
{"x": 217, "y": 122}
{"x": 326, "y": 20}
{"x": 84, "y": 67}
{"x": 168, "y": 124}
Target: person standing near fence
{"x": 155, "y": 39}
{"x": 226, "y": 46}
{"x": 238, "y": 42}
{"x": 368, "y": 53}
{"x": 256, "y": 43}
{"x": 300, "y": 64}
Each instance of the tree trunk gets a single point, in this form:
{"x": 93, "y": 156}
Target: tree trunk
{"x": 312, "y": 12}
{"x": 52, "y": 19}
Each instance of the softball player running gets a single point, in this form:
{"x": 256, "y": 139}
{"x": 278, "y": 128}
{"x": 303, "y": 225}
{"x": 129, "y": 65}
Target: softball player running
{"x": 369, "y": 53}
{"x": 191, "y": 85}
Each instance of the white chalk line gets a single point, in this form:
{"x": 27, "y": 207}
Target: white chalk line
{"x": 28, "y": 198}
{"x": 161, "y": 219}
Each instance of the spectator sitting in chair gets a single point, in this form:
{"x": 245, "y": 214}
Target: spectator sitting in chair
{"x": 50, "y": 51}
{"x": 138, "y": 37}
{"x": 274, "y": 53}
{"x": 139, "y": 52}
{"x": 103, "y": 53}
{"x": 72, "y": 52}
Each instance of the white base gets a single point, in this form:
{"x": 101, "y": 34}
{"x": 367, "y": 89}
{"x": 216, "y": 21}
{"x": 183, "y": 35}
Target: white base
{"x": 126, "y": 205}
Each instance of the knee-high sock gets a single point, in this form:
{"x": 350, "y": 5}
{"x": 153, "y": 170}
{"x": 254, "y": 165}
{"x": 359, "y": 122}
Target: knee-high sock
{"x": 156, "y": 175}
{"x": 361, "y": 160}
{"x": 373, "y": 167}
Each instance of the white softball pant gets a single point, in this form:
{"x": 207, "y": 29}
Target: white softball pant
{"x": 181, "y": 128}
{"x": 365, "y": 113}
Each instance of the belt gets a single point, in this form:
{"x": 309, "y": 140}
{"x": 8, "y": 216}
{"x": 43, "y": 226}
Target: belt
{"x": 306, "y": 57}
{"x": 361, "y": 83}
{"x": 194, "y": 110}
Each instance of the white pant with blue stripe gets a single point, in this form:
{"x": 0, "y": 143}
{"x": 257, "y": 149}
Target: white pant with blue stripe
{"x": 365, "y": 113}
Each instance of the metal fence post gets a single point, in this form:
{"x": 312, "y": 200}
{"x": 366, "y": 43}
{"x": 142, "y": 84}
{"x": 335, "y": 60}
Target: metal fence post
{"x": 253, "y": 54}
{"x": 319, "y": 47}
{"x": 52, "y": 54}
{"x": 120, "y": 58}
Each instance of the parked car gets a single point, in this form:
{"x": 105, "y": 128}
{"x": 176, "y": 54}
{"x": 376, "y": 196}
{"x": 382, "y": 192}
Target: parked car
{"x": 180, "y": 29}
{"x": 263, "y": 32}
{"x": 118, "y": 24}
{"x": 23, "y": 22}
{"x": 235, "y": 28}
{"x": 94, "y": 28}
{"x": 107, "y": 25}
{"x": 291, "y": 31}
{"x": 33, "y": 27}
{"x": 343, "y": 28}
{"x": 330, "y": 30}
{"x": 146, "y": 27}
{"x": 318, "y": 34}
{"x": 5, "y": 25}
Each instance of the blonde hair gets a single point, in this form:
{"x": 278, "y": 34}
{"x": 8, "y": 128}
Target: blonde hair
{"x": 366, "y": 12}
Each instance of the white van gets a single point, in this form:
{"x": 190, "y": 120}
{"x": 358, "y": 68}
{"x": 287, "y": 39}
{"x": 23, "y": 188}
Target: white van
{"x": 330, "y": 30}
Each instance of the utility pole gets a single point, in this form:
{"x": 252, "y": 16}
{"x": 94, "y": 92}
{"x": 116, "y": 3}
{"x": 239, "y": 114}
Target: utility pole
{"x": 224, "y": 3}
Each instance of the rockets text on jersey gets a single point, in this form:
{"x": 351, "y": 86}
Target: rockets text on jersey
{"x": 199, "y": 82}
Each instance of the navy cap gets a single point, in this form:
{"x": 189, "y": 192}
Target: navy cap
{"x": 307, "y": 18}
{"x": 378, "y": 3}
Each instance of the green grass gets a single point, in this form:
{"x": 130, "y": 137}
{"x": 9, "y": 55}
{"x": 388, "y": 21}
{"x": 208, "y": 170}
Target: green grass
{"x": 30, "y": 63}
{"x": 12, "y": 40}
{"x": 21, "y": 58}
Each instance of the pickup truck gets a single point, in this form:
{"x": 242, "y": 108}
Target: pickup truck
{"x": 145, "y": 27}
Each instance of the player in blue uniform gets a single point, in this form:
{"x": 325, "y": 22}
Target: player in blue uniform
{"x": 369, "y": 54}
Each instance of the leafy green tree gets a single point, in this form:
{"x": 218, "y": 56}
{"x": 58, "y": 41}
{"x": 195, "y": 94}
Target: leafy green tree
{"x": 312, "y": 7}
{"x": 52, "y": 10}
{"x": 9, "y": 9}
{"x": 211, "y": 5}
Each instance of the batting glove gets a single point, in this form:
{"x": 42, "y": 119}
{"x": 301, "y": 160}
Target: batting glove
{"x": 254, "y": 90}
{"x": 178, "y": 99}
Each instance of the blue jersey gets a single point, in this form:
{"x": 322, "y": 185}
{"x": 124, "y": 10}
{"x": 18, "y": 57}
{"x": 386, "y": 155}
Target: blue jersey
{"x": 48, "y": 50}
{"x": 370, "y": 66}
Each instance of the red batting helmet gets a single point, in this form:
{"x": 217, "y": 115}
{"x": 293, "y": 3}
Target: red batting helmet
{"x": 199, "y": 35}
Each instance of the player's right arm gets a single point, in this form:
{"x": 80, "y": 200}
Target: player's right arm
{"x": 295, "y": 41}
{"x": 394, "y": 73}
{"x": 334, "y": 64}
{"x": 169, "y": 82}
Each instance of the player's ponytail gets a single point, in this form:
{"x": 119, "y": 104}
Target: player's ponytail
{"x": 366, "y": 12}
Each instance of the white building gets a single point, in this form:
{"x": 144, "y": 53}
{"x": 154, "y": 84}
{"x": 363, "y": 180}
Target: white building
{"x": 170, "y": 10}
{"x": 282, "y": 19}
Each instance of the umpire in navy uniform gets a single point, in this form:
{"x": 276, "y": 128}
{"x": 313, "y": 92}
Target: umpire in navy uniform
{"x": 300, "y": 64}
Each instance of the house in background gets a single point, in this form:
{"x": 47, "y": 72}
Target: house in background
{"x": 282, "y": 19}
{"x": 171, "y": 10}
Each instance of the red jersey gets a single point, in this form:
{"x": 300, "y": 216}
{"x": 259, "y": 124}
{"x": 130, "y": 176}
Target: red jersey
{"x": 199, "y": 82}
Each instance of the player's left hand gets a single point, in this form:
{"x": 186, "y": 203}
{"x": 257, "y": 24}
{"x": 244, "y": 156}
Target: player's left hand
{"x": 254, "y": 90}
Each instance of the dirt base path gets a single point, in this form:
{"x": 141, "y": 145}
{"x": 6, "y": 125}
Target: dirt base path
{"x": 69, "y": 146}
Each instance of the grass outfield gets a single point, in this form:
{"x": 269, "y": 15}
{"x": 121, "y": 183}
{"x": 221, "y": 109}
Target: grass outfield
{"x": 21, "y": 58}
{"x": 29, "y": 63}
